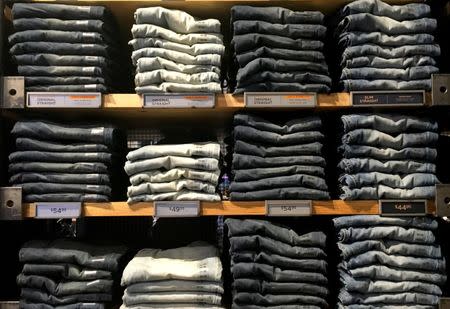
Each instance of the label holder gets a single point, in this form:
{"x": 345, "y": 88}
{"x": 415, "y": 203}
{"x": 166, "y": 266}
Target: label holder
{"x": 288, "y": 208}
{"x": 178, "y": 100}
{"x": 387, "y": 98}
{"x": 177, "y": 209}
{"x": 58, "y": 210}
{"x": 280, "y": 99}
{"x": 64, "y": 99}
{"x": 403, "y": 208}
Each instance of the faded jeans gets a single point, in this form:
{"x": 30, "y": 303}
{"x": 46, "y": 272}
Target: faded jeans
{"x": 397, "y": 298}
{"x": 247, "y": 161}
{"x": 354, "y": 165}
{"x": 301, "y": 180}
{"x": 179, "y": 57}
{"x": 175, "y": 174}
{"x": 25, "y": 144}
{"x": 395, "y": 124}
{"x": 174, "y": 186}
{"x": 162, "y": 76}
{"x": 410, "y": 73}
{"x": 242, "y": 147}
{"x": 354, "y": 38}
{"x": 291, "y": 77}
{"x": 292, "y": 126}
{"x": 245, "y": 42}
{"x": 310, "y": 56}
{"x": 148, "y": 64}
{"x": 293, "y": 31}
{"x": 63, "y": 157}
{"x": 393, "y": 63}
{"x": 411, "y": 235}
{"x": 70, "y": 168}
{"x": 260, "y": 173}
{"x": 268, "y": 287}
{"x": 409, "y": 181}
{"x": 387, "y": 154}
{"x": 193, "y": 50}
{"x": 375, "y": 220}
{"x": 172, "y": 297}
{"x": 183, "y": 195}
{"x": 176, "y": 285}
{"x": 400, "y": 12}
{"x": 275, "y": 15}
{"x": 174, "y": 87}
{"x": 384, "y": 192}
{"x": 68, "y": 272}
{"x": 250, "y": 134}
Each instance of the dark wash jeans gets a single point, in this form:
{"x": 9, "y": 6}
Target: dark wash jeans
{"x": 250, "y": 134}
{"x": 267, "y": 172}
{"x": 289, "y": 193}
{"x": 310, "y": 56}
{"x": 26, "y": 305}
{"x": 60, "y": 71}
{"x": 65, "y": 272}
{"x": 62, "y": 157}
{"x": 268, "y": 287}
{"x": 373, "y": 61}
{"x": 69, "y": 88}
{"x": 245, "y": 148}
{"x": 379, "y": 8}
{"x": 44, "y": 10}
{"x": 375, "y": 220}
{"x": 87, "y": 25}
{"x": 42, "y": 81}
{"x": 408, "y": 153}
{"x": 63, "y": 49}
{"x": 291, "y": 77}
{"x": 293, "y": 31}
{"x": 31, "y": 188}
{"x": 65, "y": 197}
{"x": 306, "y": 181}
{"x": 37, "y": 296}
{"x": 394, "y": 124}
{"x": 275, "y": 15}
{"x": 245, "y": 42}
{"x": 247, "y": 161}
{"x": 69, "y": 168}
{"x": 24, "y": 144}
{"x": 44, "y": 59}
{"x": 283, "y": 87}
{"x": 56, "y": 36}
{"x": 246, "y": 227}
{"x": 60, "y": 178}
{"x": 291, "y": 126}
{"x": 274, "y": 300}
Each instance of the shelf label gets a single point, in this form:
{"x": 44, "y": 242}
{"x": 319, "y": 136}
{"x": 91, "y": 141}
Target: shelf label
{"x": 388, "y": 98}
{"x": 403, "y": 207}
{"x": 286, "y": 208}
{"x": 170, "y": 209}
{"x": 280, "y": 99}
{"x": 64, "y": 99}
{"x": 58, "y": 210}
{"x": 179, "y": 100}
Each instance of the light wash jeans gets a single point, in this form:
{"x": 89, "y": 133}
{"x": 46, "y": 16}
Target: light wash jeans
{"x": 176, "y": 285}
{"x": 377, "y": 7}
{"x": 375, "y": 220}
{"x": 384, "y": 192}
{"x": 210, "y": 150}
{"x": 147, "y": 64}
{"x": 250, "y": 134}
{"x": 409, "y": 181}
{"x": 182, "y": 195}
{"x": 179, "y": 57}
{"x": 193, "y": 50}
{"x": 184, "y": 88}
{"x": 175, "y": 174}
{"x": 245, "y": 42}
{"x": 354, "y": 38}
{"x": 411, "y": 235}
{"x": 387, "y": 154}
{"x": 353, "y": 166}
{"x": 170, "y": 162}
{"x": 275, "y": 15}
{"x": 410, "y": 73}
{"x": 153, "y": 31}
{"x": 395, "y": 124}
{"x": 197, "y": 261}
{"x": 171, "y": 297}
{"x": 174, "y": 186}
{"x": 372, "y": 61}
{"x": 384, "y": 84}
{"x": 294, "y": 31}
{"x": 397, "y": 298}
{"x": 291, "y": 126}
{"x": 162, "y": 76}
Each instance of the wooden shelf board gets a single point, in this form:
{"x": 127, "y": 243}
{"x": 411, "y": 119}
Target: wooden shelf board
{"x": 224, "y": 208}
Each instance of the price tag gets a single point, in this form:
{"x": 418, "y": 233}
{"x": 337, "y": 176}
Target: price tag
{"x": 171, "y": 209}
{"x": 388, "y": 98}
{"x": 280, "y": 99}
{"x": 403, "y": 208}
{"x": 64, "y": 99}
{"x": 286, "y": 208}
{"x": 179, "y": 100}
{"x": 444, "y": 303}
{"x": 57, "y": 210}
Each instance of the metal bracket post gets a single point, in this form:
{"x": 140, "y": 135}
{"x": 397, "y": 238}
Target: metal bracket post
{"x": 440, "y": 89}
{"x": 443, "y": 200}
{"x": 10, "y": 203}
{"x": 13, "y": 92}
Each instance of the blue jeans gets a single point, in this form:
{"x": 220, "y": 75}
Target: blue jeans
{"x": 275, "y": 15}
{"x": 411, "y": 235}
{"x": 387, "y": 154}
{"x": 375, "y": 220}
{"x": 372, "y": 61}
{"x": 399, "y": 12}
{"x": 354, "y": 165}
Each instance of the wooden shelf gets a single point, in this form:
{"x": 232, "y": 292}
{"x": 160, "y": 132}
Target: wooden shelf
{"x": 224, "y": 208}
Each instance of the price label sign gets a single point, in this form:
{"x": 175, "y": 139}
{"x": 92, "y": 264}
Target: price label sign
{"x": 288, "y": 208}
{"x": 388, "y": 98}
{"x": 173, "y": 100}
{"x": 400, "y": 208}
{"x": 50, "y": 210}
{"x": 170, "y": 209}
{"x": 280, "y": 99}
{"x": 64, "y": 99}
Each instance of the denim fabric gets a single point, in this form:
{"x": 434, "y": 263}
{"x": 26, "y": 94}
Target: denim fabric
{"x": 250, "y": 134}
{"x": 179, "y": 57}
{"x": 279, "y": 261}
{"x": 275, "y": 15}
{"x": 274, "y": 300}
{"x": 32, "y": 70}
{"x": 55, "y": 132}
{"x": 280, "y": 87}
{"x": 161, "y": 76}
{"x": 65, "y": 197}
{"x": 291, "y": 77}
{"x": 277, "y": 232}
{"x": 259, "y": 243}
{"x": 62, "y": 49}
{"x": 410, "y": 235}
{"x": 147, "y": 64}
{"x": 387, "y": 123}
{"x": 193, "y": 50}
{"x": 270, "y": 273}
{"x": 268, "y": 287}
{"x": 384, "y": 192}
{"x": 65, "y": 272}
{"x": 353, "y": 166}
{"x": 246, "y": 306}
{"x": 260, "y": 173}
{"x": 374, "y": 220}
{"x": 68, "y": 251}
{"x": 292, "y": 126}
{"x": 293, "y": 31}
{"x": 365, "y": 22}
{"x": 379, "y": 272}
{"x": 62, "y": 157}
{"x": 242, "y": 147}
{"x": 23, "y": 143}
{"x": 269, "y": 64}
{"x": 178, "y": 21}
{"x": 43, "y": 59}
{"x": 354, "y": 38}
{"x": 64, "y": 288}
{"x": 385, "y": 84}
{"x": 174, "y": 174}
{"x": 44, "y": 10}
{"x": 25, "y": 305}
{"x": 85, "y": 25}
{"x": 169, "y": 162}
{"x": 394, "y": 63}
{"x": 176, "y": 285}
{"x": 377, "y": 7}
{"x": 179, "y": 306}
{"x": 411, "y": 73}
{"x": 409, "y": 153}
{"x": 69, "y": 88}
{"x": 182, "y": 195}
{"x": 398, "y": 298}
{"x": 173, "y": 186}
{"x": 174, "y": 87}
{"x": 56, "y": 36}
{"x": 70, "y": 168}
{"x": 389, "y": 247}
{"x": 340, "y": 306}
{"x": 306, "y": 181}
{"x": 409, "y": 181}
{"x": 245, "y": 42}
{"x": 172, "y": 297}
{"x": 290, "y": 193}
{"x": 153, "y": 31}
{"x": 247, "y": 161}
{"x": 69, "y": 80}
{"x": 47, "y": 188}
{"x": 38, "y": 296}
{"x": 309, "y": 56}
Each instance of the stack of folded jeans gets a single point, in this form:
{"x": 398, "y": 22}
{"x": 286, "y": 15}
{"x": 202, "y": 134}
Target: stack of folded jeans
{"x": 277, "y": 49}
{"x": 174, "y": 172}
{"x": 58, "y": 163}
{"x": 386, "y": 47}
{"x": 186, "y": 277}
{"x": 272, "y": 161}
{"x": 68, "y": 274}
{"x": 274, "y": 267}
{"x": 64, "y": 47}
{"x": 388, "y": 157}
{"x": 389, "y": 262}
{"x": 175, "y": 52}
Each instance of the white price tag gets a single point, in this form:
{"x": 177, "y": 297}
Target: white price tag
{"x": 58, "y": 210}
{"x": 280, "y": 99}
{"x": 286, "y": 208}
{"x": 178, "y": 100}
{"x": 177, "y": 209}
{"x": 64, "y": 99}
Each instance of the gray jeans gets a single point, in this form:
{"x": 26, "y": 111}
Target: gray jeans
{"x": 45, "y": 10}
{"x": 43, "y": 59}
{"x": 375, "y": 220}
{"x": 39, "y": 296}
{"x": 411, "y": 235}
{"x": 409, "y": 181}
{"x": 268, "y": 287}
{"x": 274, "y": 300}
{"x": 67, "y": 272}
{"x": 410, "y": 73}
{"x": 275, "y": 15}
{"x": 32, "y": 70}
{"x": 69, "y": 168}
{"x": 193, "y": 50}
{"x": 68, "y": 80}
{"x": 377, "y": 7}
{"x": 26, "y": 305}
{"x": 384, "y": 84}
{"x": 62, "y": 49}
{"x": 60, "y": 157}
{"x": 291, "y": 77}
{"x": 288, "y": 193}
{"x": 242, "y": 147}
{"x": 176, "y": 87}
{"x": 294, "y": 31}
{"x": 251, "y": 134}
{"x": 26, "y": 144}
{"x": 247, "y": 161}
{"x": 87, "y": 25}
{"x": 292, "y": 126}
{"x": 354, "y": 38}
{"x": 56, "y": 36}
{"x": 69, "y": 88}
{"x": 148, "y": 64}
{"x": 354, "y": 165}
{"x": 245, "y": 42}
{"x": 175, "y": 174}
{"x": 395, "y": 124}
{"x": 161, "y": 76}
{"x": 385, "y": 192}
{"x": 279, "y": 53}
{"x": 260, "y": 173}
{"x": 387, "y": 154}
{"x": 283, "y": 87}
{"x": 397, "y": 298}
{"x": 306, "y": 181}
{"x": 48, "y": 188}
{"x": 393, "y": 63}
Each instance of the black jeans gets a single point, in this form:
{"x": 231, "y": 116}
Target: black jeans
{"x": 67, "y": 272}
{"x": 267, "y": 287}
